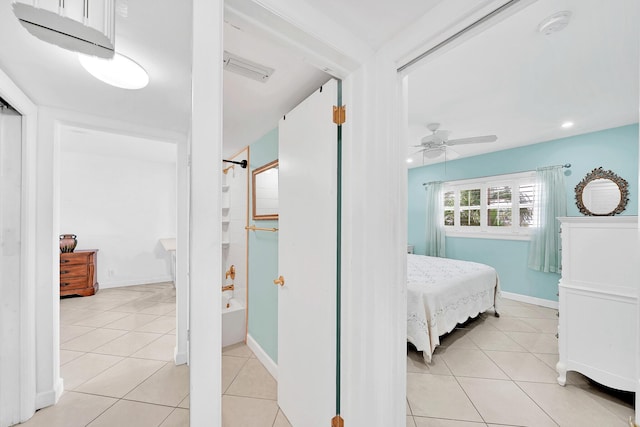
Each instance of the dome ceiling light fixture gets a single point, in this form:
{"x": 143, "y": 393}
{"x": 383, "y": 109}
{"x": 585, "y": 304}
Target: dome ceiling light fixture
{"x": 554, "y": 23}
{"x": 86, "y": 26}
{"x": 121, "y": 71}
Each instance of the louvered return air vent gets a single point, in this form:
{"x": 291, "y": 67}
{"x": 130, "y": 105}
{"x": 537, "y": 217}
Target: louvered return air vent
{"x": 86, "y": 26}
{"x": 246, "y": 68}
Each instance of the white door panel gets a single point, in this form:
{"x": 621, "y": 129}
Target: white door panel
{"x": 307, "y": 261}
{"x": 10, "y": 263}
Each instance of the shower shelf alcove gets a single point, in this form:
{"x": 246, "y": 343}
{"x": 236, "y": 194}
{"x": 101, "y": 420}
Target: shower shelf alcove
{"x": 234, "y": 300}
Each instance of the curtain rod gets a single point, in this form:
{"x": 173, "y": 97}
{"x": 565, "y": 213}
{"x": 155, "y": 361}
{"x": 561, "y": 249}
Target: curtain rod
{"x": 243, "y": 163}
{"x": 566, "y": 165}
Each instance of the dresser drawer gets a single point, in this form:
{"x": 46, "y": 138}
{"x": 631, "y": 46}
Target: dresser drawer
{"x": 75, "y": 258}
{"x": 73, "y": 283}
{"x": 73, "y": 270}
{"x": 78, "y": 273}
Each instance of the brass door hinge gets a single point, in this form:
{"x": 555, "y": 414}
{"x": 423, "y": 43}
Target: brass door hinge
{"x": 339, "y": 114}
{"x": 337, "y": 421}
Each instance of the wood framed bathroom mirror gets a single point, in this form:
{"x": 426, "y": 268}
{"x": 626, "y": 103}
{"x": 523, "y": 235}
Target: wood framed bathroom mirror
{"x": 602, "y": 193}
{"x": 265, "y": 191}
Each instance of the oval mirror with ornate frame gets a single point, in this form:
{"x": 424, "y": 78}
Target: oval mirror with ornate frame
{"x": 265, "y": 191}
{"x": 602, "y": 193}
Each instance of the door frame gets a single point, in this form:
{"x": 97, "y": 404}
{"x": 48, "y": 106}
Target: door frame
{"x": 302, "y": 32}
{"x": 27, "y": 335}
{"x": 371, "y": 342}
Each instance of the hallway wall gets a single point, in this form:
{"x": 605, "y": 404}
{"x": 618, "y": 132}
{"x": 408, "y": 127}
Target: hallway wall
{"x": 118, "y": 195}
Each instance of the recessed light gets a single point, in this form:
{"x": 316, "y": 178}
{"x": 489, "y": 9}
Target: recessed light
{"x": 409, "y": 160}
{"x": 120, "y": 71}
{"x": 567, "y": 125}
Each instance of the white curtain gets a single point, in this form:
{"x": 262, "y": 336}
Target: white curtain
{"x": 435, "y": 220}
{"x": 544, "y": 251}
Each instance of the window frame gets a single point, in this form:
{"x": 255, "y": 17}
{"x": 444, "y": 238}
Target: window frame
{"x": 484, "y": 230}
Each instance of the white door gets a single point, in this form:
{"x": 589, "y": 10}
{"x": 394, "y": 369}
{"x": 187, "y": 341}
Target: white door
{"x": 307, "y": 260}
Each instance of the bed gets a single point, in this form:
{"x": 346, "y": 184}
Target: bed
{"x": 443, "y": 292}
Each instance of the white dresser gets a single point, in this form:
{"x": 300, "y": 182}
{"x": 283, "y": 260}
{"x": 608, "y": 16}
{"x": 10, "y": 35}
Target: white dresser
{"x": 599, "y": 319}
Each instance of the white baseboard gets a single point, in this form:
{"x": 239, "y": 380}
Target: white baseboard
{"x": 105, "y": 284}
{"x": 530, "y": 300}
{"x": 50, "y": 397}
{"x": 180, "y": 358}
{"x": 263, "y": 357}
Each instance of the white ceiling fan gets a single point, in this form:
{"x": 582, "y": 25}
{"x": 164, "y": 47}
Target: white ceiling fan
{"x": 438, "y": 142}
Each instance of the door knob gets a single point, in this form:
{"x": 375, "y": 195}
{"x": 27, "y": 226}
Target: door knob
{"x": 279, "y": 281}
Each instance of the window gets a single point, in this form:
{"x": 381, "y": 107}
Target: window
{"x": 470, "y": 207}
{"x": 496, "y": 207}
{"x": 499, "y": 206}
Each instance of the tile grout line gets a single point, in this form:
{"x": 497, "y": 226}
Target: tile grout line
{"x": 510, "y": 379}
{"x": 465, "y": 391}
{"x": 235, "y": 376}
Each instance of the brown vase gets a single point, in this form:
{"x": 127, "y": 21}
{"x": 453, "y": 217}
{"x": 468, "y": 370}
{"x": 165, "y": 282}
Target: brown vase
{"x": 68, "y": 243}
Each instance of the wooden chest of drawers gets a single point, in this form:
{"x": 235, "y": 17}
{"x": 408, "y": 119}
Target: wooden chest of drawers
{"x": 78, "y": 273}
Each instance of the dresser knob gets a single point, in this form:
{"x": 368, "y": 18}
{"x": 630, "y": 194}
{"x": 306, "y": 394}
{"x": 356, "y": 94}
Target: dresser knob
{"x": 64, "y": 272}
{"x": 64, "y": 261}
{"x": 64, "y": 284}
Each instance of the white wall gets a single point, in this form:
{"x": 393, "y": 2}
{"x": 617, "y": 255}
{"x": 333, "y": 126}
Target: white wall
{"x": 118, "y": 195}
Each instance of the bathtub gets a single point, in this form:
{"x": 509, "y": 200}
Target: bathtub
{"x": 233, "y": 321}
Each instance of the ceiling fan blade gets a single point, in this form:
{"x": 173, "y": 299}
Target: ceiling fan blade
{"x": 472, "y": 140}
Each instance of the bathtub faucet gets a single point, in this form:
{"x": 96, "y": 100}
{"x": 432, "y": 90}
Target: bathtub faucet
{"x": 230, "y": 273}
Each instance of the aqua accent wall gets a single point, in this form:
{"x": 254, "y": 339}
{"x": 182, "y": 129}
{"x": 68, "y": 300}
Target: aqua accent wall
{"x": 263, "y": 260}
{"x": 615, "y": 149}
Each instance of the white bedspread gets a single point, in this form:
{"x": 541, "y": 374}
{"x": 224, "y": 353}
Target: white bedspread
{"x": 443, "y": 292}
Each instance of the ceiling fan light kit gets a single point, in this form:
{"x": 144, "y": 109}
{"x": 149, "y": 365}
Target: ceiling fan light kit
{"x": 436, "y": 144}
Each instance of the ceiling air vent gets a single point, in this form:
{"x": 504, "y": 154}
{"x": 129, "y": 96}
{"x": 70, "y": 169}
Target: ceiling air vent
{"x": 246, "y": 68}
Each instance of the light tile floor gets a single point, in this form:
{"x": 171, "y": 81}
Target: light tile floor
{"x": 501, "y": 372}
{"x": 116, "y": 361}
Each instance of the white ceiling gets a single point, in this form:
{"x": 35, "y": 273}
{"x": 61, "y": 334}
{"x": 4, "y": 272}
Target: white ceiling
{"x": 508, "y": 80}
{"x": 154, "y": 33}
{"x": 157, "y": 35}
{"x": 253, "y": 108}
{"x": 374, "y": 22}
{"x": 520, "y": 85}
